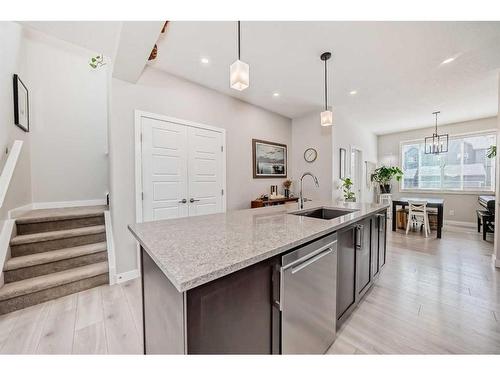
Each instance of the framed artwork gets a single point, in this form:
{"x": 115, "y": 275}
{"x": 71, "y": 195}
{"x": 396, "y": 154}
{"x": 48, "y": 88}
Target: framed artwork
{"x": 343, "y": 163}
{"x": 269, "y": 159}
{"x": 21, "y": 104}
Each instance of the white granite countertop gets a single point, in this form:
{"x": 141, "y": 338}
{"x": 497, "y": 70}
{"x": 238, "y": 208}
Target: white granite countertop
{"x": 192, "y": 251}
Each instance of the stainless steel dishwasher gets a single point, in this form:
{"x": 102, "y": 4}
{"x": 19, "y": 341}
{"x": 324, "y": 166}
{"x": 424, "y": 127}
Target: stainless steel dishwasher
{"x": 308, "y": 283}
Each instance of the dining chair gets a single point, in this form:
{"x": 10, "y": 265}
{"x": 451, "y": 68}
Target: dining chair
{"x": 416, "y": 210}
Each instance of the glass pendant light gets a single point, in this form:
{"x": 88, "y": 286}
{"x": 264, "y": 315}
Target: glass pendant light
{"x": 239, "y": 71}
{"x": 326, "y": 115}
{"x": 438, "y": 143}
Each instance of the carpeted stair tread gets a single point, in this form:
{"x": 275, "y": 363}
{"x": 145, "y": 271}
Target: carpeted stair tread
{"x": 35, "y": 284}
{"x": 45, "y": 215}
{"x": 55, "y": 235}
{"x": 53, "y": 256}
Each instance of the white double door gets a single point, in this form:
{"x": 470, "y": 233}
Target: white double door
{"x": 182, "y": 170}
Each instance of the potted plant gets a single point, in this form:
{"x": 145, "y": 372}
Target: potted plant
{"x": 383, "y": 176}
{"x": 286, "y": 185}
{"x": 492, "y": 152}
{"x": 346, "y": 190}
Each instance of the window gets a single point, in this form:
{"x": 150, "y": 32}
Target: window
{"x": 464, "y": 167}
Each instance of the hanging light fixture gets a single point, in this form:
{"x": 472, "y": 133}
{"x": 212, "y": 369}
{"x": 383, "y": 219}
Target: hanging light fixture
{"x": 239, "y": 71}
{"x": 326, "y": 115}
{"x": 438, "y": 143}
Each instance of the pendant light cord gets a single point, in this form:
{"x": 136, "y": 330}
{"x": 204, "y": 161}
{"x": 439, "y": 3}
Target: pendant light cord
{"x": 326, "y": 91}
{"x": 239, "y": 48}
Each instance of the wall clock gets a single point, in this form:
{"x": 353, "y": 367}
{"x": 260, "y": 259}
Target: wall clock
{"x": 310, "y": 155}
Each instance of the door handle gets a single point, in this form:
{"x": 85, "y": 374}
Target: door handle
{"x": 194, "y": 200}
{"x": 311, "y": 260}
{"x": 183, "y": 201}
{"x": 359, "y": 236}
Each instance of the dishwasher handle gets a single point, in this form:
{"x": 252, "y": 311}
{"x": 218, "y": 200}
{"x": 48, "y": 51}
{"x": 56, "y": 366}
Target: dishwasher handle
{"x": 311, "y": 260}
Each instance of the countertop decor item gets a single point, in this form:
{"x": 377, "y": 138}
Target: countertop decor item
{"x": 21, "y": 104}
{"x": 239, "y": 71}
{"x": 310, "y": 155}
{"x": 383, "y": 176}
{"x": 437, "y": 143}
{"x": 269, "y": 159}
{"x": 327, "y": 114}
{"x": 286, "y": 185}
{"x": 349, "y": 195}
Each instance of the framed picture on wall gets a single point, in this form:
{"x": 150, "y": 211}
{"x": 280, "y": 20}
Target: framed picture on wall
{"x": 343, "y": 163}
{"x": 269, "y": 159}
{"x": 21, "y": 104}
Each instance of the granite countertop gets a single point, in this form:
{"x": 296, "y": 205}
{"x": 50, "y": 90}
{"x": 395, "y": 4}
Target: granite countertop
{"x": 192, "y": 251}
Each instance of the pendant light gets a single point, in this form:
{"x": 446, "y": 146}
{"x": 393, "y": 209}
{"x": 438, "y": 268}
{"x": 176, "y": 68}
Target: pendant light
{"x": 239, "y": 71}
{"x": 326, "y": 115}
{"x": 438, "y": 143}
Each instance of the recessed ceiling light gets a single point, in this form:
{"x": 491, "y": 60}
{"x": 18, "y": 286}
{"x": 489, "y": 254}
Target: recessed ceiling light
{"x": 353, "y": 92}
{"x": 448, "y": 60}
{"x": 204, "y": 60}
{"x": 276, "y": 94}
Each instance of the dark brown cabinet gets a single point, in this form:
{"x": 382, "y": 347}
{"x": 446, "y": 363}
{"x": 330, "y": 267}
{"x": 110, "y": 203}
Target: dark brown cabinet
{"x": 346, "y": 271}
{"x": 363, "y": 257}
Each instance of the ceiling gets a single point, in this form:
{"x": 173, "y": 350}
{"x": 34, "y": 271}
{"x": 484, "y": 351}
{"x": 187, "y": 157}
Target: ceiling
{"x": 395, "y": 67}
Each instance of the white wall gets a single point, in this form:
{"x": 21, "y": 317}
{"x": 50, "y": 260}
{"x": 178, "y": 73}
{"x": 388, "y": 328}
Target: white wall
{"x": 19, "y": 193}
{"x": 307, "y": 132}
{"x": 463, "y": 204}
{"x": 161, "y": 93}
{"x": 496, "y": 254}
{"x": 346, "y": 135}
{"x": 68, "y": 129}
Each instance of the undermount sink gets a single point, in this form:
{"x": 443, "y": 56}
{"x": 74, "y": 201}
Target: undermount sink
{"x": 325, "y": 213}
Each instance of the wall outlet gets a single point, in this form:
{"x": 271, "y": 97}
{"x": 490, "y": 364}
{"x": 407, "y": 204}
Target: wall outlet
{"x": 452, "y": 212}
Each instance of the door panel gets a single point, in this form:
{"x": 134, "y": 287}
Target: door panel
{"x": 164, "y": 169}
{"x": 363, "y": 255}
{"x": 381, "y": 239}
{"x": 346, "y": 271}
{"x": 374, "y": 245}
{"x": 205, "y": 171}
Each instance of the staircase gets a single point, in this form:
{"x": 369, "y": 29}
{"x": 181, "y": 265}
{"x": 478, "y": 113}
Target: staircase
{"x": 55, "y": 252}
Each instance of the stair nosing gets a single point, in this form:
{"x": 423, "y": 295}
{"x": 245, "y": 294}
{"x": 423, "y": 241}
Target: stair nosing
{"x": 48, "y": 218}
{"x": 56, "y": 235}
{"x": 73, "y": 254}
{"x": 66, "y": 277}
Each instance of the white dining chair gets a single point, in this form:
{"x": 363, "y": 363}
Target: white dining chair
{"x": 417, "y": 210}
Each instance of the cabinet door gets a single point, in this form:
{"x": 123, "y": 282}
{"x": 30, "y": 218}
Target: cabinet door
{"x": 382, "y": 243}
{"x": 233, "y": 314}
{"x": 346, "y": 272}
{"x": 363, "y": 255}
{"x": 374, "y": 245}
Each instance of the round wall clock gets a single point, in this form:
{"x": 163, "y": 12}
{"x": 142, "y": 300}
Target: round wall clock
{"x": 310, "y": 155}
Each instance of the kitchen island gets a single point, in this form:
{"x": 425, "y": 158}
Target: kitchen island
{"x": 213, "y": 284}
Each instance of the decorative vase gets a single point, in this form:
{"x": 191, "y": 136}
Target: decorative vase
{"x": 385, "y": 189}
{"x": 286, "y": 193}
{"x": 350, "y": 200}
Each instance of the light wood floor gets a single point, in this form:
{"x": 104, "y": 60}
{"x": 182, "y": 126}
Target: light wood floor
{"x": 433, "y": 297}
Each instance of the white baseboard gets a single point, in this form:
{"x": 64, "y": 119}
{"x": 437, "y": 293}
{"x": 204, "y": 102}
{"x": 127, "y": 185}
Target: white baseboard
{"x": 467, "y": 224}
{"x": 18, "y": 211}
{"x": 88, "y": 202}
{"x": 126, "y": 276}
{"x": 110, "y": 243}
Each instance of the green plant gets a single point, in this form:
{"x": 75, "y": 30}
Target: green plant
{"x": 346, "y": 188}
{"x": 97, "y": 61}
{"x": 492, "y": 152}
{"x": 383, "y": 175}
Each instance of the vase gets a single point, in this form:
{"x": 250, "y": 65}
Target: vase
{"x": 385, "y": 189}
{"x": 286, "y": 193}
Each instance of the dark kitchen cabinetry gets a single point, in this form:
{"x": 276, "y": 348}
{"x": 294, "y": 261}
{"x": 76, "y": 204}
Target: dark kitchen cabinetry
{"x": 361, "y": 255}
{"x": 346, "y": 271}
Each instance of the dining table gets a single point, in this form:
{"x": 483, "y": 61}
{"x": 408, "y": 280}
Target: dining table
{"x": 431, "y": 203}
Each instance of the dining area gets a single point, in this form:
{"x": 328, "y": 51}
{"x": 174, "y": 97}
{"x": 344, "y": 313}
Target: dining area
{"x": 418, "y": 213}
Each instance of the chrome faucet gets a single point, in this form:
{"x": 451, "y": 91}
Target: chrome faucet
{"x": 301, "y": 197}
